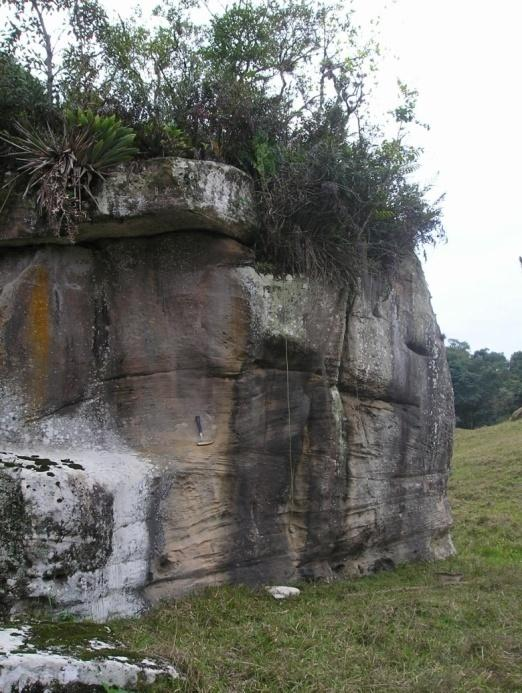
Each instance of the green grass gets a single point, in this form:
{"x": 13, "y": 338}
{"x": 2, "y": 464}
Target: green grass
{"x": 406, "y": 630}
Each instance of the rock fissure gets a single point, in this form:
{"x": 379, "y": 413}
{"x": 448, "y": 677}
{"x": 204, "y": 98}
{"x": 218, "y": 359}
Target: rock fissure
{"x": 61, "y": 408}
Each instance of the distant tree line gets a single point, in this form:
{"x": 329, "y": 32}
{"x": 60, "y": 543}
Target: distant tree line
{"x": 487, "y": 386}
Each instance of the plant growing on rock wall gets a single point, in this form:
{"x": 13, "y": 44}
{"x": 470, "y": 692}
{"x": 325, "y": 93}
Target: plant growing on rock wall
{"x": 61, "y": 166}
{"x": 290, "y": 106}
{"x": 330, "y": 208}
{"x": 278, "y": 88}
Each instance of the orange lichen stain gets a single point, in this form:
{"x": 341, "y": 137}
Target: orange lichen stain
{"x": 39, "y": 332}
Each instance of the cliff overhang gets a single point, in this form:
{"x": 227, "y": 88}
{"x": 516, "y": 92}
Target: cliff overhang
{"x": 150, "y": 197}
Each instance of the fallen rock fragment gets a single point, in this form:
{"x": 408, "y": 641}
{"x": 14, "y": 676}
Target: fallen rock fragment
{"x": 517, "y": 415}
{"x": 283, "y": 592}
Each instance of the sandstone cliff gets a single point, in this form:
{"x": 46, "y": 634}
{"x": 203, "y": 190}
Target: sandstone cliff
{"x": 330, "y": 414}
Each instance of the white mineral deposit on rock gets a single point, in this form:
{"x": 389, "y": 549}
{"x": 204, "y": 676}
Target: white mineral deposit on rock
{"x": 23, "y": 665}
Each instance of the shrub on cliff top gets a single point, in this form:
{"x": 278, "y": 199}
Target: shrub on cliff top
{"x": 61, "y": 166}
{"x": 279, "y": 89}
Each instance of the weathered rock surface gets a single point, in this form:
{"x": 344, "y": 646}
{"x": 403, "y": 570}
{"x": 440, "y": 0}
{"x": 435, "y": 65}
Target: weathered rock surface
{"x": 331, "y": 427}
{"x": 75, "y": 531}
{"x": 151, "y": 197}
{"x": 33, "y": 658}
{"x": 517, "y": 415}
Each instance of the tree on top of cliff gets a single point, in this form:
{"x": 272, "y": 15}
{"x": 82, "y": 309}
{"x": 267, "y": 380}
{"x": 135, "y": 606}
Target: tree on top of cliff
{"x": 22, "y": 94}
{"x": 276, "y": 88}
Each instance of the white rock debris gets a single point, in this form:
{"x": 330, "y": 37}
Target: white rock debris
{"x": 283, "y": 592}
{"x": 23, "y": 665}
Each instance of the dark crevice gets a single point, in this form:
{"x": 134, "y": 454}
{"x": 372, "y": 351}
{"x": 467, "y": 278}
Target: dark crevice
{"x": 418, "y": 348}
{"x": 97, "y": 243}
{"x": 148, "y": 374}
{"x": 66, "y": 405}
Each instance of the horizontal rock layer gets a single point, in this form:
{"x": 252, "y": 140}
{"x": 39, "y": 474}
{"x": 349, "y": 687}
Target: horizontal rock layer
{"x": 147, "y": 198}
{"x": 329, "y": 417}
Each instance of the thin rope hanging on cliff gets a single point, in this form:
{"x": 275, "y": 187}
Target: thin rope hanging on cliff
{"x": 288, "y": 406}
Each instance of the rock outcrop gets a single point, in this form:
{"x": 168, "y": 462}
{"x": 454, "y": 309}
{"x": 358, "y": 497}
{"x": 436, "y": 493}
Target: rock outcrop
{"x": 517, "y": 415}
{"x": 69, "y": 657}
{"x": 330, "y": 415}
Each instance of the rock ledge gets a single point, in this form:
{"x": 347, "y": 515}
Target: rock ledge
{"x": 153, "y": 197}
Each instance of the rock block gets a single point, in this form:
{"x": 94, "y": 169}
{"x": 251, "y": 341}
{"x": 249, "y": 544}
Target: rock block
{"x": 329, "y": 414}
{"x": 69, "y": 656}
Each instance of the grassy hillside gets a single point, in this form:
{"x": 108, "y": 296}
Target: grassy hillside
{"x": 415, "y": 629}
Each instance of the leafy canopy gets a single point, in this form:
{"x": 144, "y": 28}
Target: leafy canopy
{"x": 487, "y": 387}
{"x": 279, "y": 89}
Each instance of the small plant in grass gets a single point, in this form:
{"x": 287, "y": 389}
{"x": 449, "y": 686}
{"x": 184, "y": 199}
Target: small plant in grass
{"x": 60, "y": 166}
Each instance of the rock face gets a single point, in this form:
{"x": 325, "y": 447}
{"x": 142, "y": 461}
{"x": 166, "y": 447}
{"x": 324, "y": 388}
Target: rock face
{"x": 330, "y": 416}
{"x": 517, "y": 415}
{"x": 33, "y": 658}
